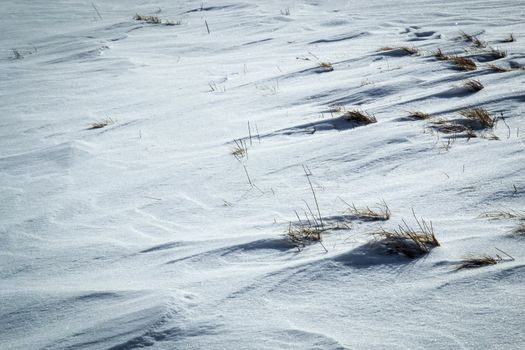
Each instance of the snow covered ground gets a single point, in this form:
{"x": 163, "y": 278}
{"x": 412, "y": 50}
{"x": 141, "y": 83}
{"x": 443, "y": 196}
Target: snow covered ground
{"x": 148, "y": 232}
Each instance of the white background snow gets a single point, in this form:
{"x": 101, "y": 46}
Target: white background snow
{"x": 146, "y": 233}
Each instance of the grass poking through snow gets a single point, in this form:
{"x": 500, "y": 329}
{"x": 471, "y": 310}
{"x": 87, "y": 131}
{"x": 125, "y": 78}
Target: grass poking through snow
{"x": 101, "y": 123}
{"x": 473, "y": 85}
{"x": 480, "y": 115}
{"x": 419, "y": 115}
{"x": 408, "y": 241}
{"x": 358, "y": 116}
{"x": 473, "y": 262}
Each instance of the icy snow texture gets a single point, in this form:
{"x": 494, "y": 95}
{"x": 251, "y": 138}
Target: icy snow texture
{"x": 147, "y": 232}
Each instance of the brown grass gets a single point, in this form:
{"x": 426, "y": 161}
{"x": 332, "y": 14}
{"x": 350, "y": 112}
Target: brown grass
{"x": 147, "y": 19}
{"x": 450, "y": 127}
{"x": 240, "y": 150}
{"x": 473, "y": 262}
{"x": 439, "y": 55}
{"x": 473, "y": 85}
{"x": 480, "y": 115}
{"x": 409, "y": 50}
{"x": 473, "y": 39}
{"x": 358, "y": 116}
{"x": 326, "y": 66}
{"x": 419, "y": 115}
{"x": 498, "y": 69}
{"x": 380, "y": 212}
{"x": 408, "y": 241}
{"x": 101, "y": 123}
{"x": 462, "y": 63}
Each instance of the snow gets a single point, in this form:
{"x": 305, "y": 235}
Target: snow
{"x": 148, "y": 233}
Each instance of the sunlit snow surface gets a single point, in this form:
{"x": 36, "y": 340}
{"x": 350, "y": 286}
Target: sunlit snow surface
{"x": 147, "y": 233}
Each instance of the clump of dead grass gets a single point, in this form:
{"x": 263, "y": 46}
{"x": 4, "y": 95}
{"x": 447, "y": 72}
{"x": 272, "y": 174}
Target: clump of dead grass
{"x": 147, "y": 19}
{"x": 379, "y": 212}
{"x": 358, "y": 116}
{"x": 419, "y": 115}
{"x": 240, "y": 150}
{"x": 480, "y": 115}
{"x": 409, "y": 50}
{"x": 472, "y": 262}
{"x": 462, "y": 63}
{"x": 407, "y": 241}
{"x": 473, "y": 39}
{"x": 101, "y": 123}
{"x": 473, "y": 85}
{"x": 498, "y": 69}
{"x": 520, "y": 230}
{"x": 326, "y": 66}
{"x": 439, "y": 55}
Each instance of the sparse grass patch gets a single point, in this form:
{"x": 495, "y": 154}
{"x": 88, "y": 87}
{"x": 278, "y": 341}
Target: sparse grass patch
{"x": 473, "y": 262}
{"x": 304, "y": 232}
{"x": 462, "y": 63}
{"x": 473, "y": 85}
{"x": 359, "y": 116}
{"x": 326, "y": 66}
{"x": 498, "y": 69}
{"x": 473, "y": 39}
{"x": 480, "y": 115}
{"x": 101, "y": 123}
{"x": 419, "y": 115}
{"x": 409, "y": 50}
{"x": 451, "y": 127}
{"x": 408, "y": 241}
{"x": 380, "y": 212}
{"x": 439, "y": 55}
{"x": 240, "y": 150}
{"x": 147, "y": 19}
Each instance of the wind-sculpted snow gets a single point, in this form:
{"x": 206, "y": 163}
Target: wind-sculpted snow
{"x": 262, "y": 174}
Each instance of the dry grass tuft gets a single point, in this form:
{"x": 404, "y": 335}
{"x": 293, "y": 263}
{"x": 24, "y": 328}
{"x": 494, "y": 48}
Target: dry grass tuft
{"x": 408, "y": 241}
{"x": 473, "y": 262}
{"x": 326, "y": 66}
{"x": 473, "y": 85}
{"x": 409, "y": 50}
{"x": 419, "y": 115}
{"x": 439, "y": 55}
{"x": 240, "y": 150}
{"x": 303, "y": 233}
{"x": 480, "y": 115}
{"x": 451, "y": 127}
{"x": 509, "y": 39}
{"x": 380, "y": 212}
{"x": 473, "y": 39}
{"x": 358, "y": 116}
{"x": 498, "y": 69}
{"x": 463, "y": 63}
{"x": 101, "y": 123}
{"x": 147, "y": 19}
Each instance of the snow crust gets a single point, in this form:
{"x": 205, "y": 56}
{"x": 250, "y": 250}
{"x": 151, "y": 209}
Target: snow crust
{"x": 150, "y": 233}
